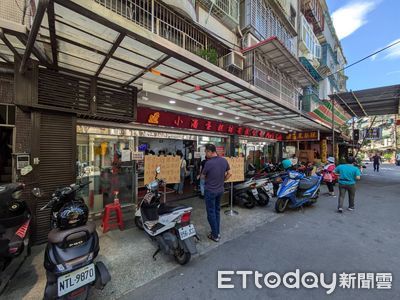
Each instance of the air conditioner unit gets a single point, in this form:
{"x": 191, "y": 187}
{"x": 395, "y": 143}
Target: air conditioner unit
{"x": 233, "y": 59}
{"x": 251, "y": 40}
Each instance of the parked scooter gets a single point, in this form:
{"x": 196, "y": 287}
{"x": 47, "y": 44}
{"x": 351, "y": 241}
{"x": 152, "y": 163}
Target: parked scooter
{"x": 169, "y": 226}
{"x": 252, "y": 192}
{"x": 297, "y": 190}
{"x": 15, "y": 220}
{"x": 72, "y": 246}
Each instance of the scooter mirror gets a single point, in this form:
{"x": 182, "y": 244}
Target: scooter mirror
{"x": 37, "y": 192}
{"x": 158, "y": 170}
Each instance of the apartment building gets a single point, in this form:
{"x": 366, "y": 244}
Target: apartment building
{"x": 321, "y": 53}
{"x": 91, "y": 78}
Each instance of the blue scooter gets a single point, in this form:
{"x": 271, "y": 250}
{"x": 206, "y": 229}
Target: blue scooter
{"x": 297, "y": 190}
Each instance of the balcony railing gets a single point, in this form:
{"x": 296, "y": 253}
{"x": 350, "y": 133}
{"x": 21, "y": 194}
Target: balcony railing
{"x": 226, "y": 10}
{"x": 163, "y": 21}
{"x": 258, "y": 73}
{"x": 261, "y": 18}
{"x": 314, "y": 14}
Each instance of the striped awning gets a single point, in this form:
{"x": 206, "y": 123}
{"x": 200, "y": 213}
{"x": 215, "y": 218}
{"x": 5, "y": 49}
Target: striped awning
{"x": 324, "y": 114}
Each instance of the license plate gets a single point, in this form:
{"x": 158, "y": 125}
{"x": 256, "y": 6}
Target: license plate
{"x": 255, "y": 192}
{"x": 74, "y": 280}
{"x": 187, "y": 232}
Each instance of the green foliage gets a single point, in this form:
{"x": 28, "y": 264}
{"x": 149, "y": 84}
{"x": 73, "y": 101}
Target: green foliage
{"x": 210, "y": 55}
{"x": 387, "y": 156}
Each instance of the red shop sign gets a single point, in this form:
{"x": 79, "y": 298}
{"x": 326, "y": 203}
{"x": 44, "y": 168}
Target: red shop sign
{"x": 170, "y": 119}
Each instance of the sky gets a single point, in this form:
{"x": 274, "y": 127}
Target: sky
{"x": 363, "y": 27}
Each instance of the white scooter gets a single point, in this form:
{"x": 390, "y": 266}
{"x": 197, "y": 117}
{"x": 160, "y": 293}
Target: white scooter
{"x": 169, "y": 226}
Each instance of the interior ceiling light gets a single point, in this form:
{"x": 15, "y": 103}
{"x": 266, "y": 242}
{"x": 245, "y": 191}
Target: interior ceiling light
{"x": 237, "y": 118}
{"x": 220, "y": 114}
{"x": 282, "y": 128}
{"x": 261, "y": 123}
{"x": 172, "y": 101}
{"x": 199, "y": 108}
{"x": 273, "y": 126}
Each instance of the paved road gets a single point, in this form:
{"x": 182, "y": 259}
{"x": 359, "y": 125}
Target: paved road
{"x": 315, "y": 240}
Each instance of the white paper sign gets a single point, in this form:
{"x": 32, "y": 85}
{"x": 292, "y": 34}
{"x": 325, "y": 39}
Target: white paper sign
{"x": 138, "y": 155}
{"x": 26, "y": 170}
{"x": 125, "y": 155}
{"x": 197, "y": 155}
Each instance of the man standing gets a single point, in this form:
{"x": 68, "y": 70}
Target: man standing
{"x": 377, "y": 161}
{"x": 348, "y": 174}
{"x": 215, "y": 172}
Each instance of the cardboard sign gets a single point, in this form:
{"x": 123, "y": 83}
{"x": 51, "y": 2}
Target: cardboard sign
{"x": 169, "y": 165}
{"x": 237, "y": 168}
{"x": 138, "y": 155}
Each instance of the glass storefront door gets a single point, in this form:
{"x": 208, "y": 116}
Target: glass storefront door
{"x": 99, "y": 161}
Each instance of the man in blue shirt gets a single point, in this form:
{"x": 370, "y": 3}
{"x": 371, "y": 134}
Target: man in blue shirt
{"x": 215, "y": 172}
{"x": 348, "y": 174}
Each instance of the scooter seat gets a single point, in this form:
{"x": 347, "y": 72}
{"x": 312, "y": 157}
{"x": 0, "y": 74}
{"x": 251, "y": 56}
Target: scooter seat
{"x": 164, "y": 209}
{"x": 308, "y": 182}
{"x": 57, "y": 236}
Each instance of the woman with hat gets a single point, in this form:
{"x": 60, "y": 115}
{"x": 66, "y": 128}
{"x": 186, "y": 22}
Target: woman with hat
{"x": 329, "y": 175}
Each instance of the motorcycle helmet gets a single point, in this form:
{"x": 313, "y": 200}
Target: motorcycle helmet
{"x": 286, "y": 164}
{"x": 72, "y": 214}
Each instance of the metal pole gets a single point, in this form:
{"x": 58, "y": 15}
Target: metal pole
{"x": 333, "y": 128}
{"x": 352, "y": 139}
{"x": 231, "y": 212}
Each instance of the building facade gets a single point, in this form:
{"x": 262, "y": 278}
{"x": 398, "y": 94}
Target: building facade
{"x": 92, "y": 79}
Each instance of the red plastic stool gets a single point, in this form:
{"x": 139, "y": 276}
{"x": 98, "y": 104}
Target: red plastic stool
{"x": 112, "y": 221}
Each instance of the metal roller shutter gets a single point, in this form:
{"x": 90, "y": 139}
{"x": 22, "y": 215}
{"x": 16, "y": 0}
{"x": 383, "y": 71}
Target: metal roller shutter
{"x": 57, "y": 162}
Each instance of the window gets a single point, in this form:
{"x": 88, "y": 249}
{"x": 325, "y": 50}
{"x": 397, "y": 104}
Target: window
{"x": 7, "y": 114}
{"x": 309, "y": 38}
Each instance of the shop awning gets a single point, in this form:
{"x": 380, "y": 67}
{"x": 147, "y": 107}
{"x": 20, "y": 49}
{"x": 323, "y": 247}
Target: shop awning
{"x": 324, "y": 114}
{"x": 110, "y": 45}
{"x": 278, "y": 55}
{"x": 369, "y": 102}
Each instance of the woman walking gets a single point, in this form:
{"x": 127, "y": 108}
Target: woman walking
{"x": 329, "y": 175}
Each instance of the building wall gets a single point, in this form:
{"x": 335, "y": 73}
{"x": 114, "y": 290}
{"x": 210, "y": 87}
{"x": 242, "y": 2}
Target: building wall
{"x": 215, "y": 26}
{"x": 12, "y": 10}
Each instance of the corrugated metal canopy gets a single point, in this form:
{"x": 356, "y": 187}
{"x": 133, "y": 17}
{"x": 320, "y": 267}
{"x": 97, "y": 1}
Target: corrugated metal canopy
{"x": 279, "y": 55}
{"x": 89, "y": 38}
{"x": 369, "y": 102}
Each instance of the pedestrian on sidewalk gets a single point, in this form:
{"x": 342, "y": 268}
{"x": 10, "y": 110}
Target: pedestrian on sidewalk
{"x": 201, "y": 178}
{"x": 348, "y": 174}
{"x": 377, "y": 161}
{"x": 329, "y": 175}
{"x": 215, "y": 172}
{"x": 182, "y": 169}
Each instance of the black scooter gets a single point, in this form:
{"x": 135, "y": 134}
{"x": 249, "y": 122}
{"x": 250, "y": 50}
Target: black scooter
{"x": 72, "y": 247}
{"x": 15, "y": 220}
